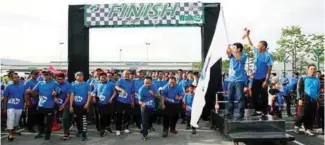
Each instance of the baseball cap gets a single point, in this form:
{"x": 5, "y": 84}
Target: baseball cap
{"x": 78, "y": 74}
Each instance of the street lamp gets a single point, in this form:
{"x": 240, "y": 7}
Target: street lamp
{"x": 120, "y": 55}
{"x": 60, "y": 48}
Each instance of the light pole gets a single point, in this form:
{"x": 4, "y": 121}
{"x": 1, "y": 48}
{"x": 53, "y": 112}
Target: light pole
{"x": 147, "y": 44}
{"x": 60, "y": 47}
{"x": 318, "y": 53}
{"x": 120, "y": 55}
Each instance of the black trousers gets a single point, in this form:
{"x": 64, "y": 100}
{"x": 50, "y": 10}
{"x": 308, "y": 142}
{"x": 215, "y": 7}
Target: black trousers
{"x": 123, "y": 115}
{"x": 288, "y": 102}
{"x": 260, "y": 96}
{"x": 81, "y": 118}
{"x": 320, "y": 117}
{"x": 146, "y": 120}
{"x": 170, "y": 116}
{"x": 306, "y": 113}
{"x": 136, "y": 112}
{"x": 47, "y": 114}
{"x": 31, "y": 116}
{"x": 188, "y": 122}
{"x": 105, "y": 115}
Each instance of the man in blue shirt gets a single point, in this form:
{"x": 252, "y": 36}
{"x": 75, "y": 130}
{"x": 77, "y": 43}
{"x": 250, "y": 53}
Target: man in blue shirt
{"x": 284, "y": 81}
{"x": 138, "y": 83}
{"x": 147, "y": 94}
{"x": 160, "y": 82}
{"x": 172, "y": 95}
{"x": 14, "y": 98}
{"x": 309, "y": 92}
{"x": 179, "y": 75}
{"x": 293, "y": 82}
{"x": 237, "y": 78}
{"x": 32, "y": 109}
{"x": 124, "y": 102}
{"x": 104, "y": 93}
{"x": 79, "y": 103}
{"x": 63, "y": 102}
{"x": 263, "y": 66}
{"x": 47, "y": 91}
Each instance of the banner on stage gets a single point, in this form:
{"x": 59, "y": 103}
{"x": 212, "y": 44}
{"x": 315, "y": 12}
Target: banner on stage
{"x": 144, "y": 14}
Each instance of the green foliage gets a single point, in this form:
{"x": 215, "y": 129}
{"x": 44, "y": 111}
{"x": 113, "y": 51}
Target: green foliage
{"x": 225, "y": 65}
{"x": 250, "y": 54}
{"x": 297, "y": 47}
{"x": 197, "y": 66}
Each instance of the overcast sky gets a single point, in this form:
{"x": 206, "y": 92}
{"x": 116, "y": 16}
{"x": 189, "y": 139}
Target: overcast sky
{"x": 31, "y": 30}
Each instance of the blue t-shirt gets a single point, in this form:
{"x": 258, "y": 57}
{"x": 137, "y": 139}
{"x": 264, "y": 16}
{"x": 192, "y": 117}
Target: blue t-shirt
{"x": 188, "y": 101}
{"x": 237, "y": 68}
{"x": 80, "y": 91}
{"x": 312, "y": 87}
{"x": 45, "y": 89}
{"x": 66, "y": 90}
{"x": 262, "y": 62}
{"x": 279, "y": 100}
{"x": 293, "y": 83}
{"x": 184, "y": 83}
{"x": 285, "y": 90}
{"x": 284, "y": 79}
{"x": 40, "y": 78}
{"x": 128, "y": 86}
{"x": 170, "y": 93}
{"x": 31, "y": 83}
{"x": 146, "y": 97}
{"x": 95, "y": 82}
{"x": 138, "y": 83}
{"x": 104, "y": 92}
{"x": 160, "y": 82}
{"x": 15, "y": 94}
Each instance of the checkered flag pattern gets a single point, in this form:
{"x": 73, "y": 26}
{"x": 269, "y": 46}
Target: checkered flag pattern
{"x": 97, "y": 16}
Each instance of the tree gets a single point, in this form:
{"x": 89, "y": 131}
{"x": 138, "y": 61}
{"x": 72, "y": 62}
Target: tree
{"x": 250, "y": 55}
{"x": 292, "y": 43}
{"x": 315, "y": 48}
{"x": 225, "y": 65}
{"x": 197, "y": 66}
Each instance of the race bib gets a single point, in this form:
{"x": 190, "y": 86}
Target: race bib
{"x": 101, "y": 98}
{"x": 14, "y": 101}
{"x": 42, "y": 100}
{"x": 121, "y": 95}
{"x": 77, "y": 98}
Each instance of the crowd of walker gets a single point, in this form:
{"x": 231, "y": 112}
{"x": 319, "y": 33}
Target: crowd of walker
{"x": 113, "y": 98}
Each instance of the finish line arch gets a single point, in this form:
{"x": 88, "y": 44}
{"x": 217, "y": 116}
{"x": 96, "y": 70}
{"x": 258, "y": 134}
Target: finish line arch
{"x": 84, "y": 17}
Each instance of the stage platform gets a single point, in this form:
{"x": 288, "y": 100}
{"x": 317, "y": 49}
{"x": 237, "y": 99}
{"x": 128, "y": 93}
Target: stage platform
{"x": 251, "y": 130}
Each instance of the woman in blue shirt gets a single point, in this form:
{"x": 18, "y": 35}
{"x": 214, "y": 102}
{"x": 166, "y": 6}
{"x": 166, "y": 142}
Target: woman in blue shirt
{"x": 104, "y": 93}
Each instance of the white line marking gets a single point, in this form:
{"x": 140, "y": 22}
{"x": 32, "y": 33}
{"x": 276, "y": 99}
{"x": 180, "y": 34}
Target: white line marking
{"x": 297, "y": 142}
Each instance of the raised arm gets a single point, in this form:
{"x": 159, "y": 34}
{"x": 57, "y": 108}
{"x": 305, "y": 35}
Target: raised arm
{"x": 246, "y": 35}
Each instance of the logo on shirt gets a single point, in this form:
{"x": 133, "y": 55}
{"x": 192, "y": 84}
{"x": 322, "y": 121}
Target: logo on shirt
{"x": 42, "y": 100}
{"x": 101, "y": 98}
{"x": 14, "y": 101}
{"x": 77, "y": 98}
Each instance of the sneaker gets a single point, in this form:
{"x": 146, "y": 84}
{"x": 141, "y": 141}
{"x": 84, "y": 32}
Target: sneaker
{"x": 144, "y": 137}
{"x": 118, "y": 133}
{"x": 84, "y": 137}
{"x": 263, "y": 117}
{"x": 188, "y": 127}
{"x": 66, "y": 136}
{"x": 39, "y": 135}
{"x": 109, "y": 130}
{"x": 102, "y": 133}
{"x": 47, "y": 137}
{"x": 173, "y": 131}
{"x": 127, "y": 131}
{"x": 151, "y": 129}
{"x": 309, "y": 133}
{"x": 31, "y": 131}
{"x": 10, "y": 138}
{"x": 78, "y": 134}
{"x": 165, "y": 133}
{"x": 193, "y": 131}
{"x": 296, "y": 129}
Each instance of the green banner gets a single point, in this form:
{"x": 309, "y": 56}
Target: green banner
{"x": 144, "y": 14}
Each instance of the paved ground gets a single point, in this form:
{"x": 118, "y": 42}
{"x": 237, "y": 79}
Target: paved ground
{"x": 205, "y": 136}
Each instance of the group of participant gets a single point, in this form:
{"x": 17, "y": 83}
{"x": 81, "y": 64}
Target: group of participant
{"x": 142, "y": 98}
{"x": 266, "y": 92}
